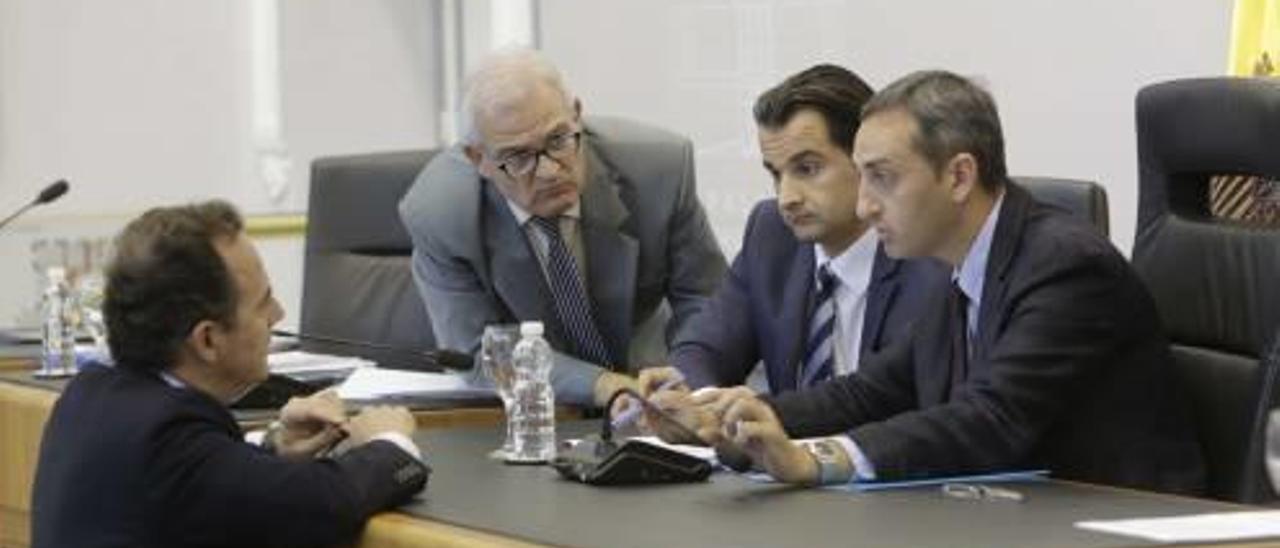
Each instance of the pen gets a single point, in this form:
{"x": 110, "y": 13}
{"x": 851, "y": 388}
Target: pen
{"x": 626, "y": 417}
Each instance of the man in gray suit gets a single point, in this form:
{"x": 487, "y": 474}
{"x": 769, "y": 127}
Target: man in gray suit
{"x": 591, "y": 225}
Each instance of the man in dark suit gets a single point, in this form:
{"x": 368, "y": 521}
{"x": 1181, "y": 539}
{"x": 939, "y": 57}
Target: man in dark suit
{"x": 145, "y": 453}
{"x": 1047, "y": 351}
{"x": 811, "y": 291}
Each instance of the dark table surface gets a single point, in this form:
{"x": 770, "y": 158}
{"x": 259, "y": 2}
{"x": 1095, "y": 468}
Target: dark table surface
{"x": 534, "y": 504}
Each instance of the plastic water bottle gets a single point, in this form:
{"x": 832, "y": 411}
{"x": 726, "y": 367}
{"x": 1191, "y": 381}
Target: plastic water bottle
{"x": 58, "y": 358}
{"x": 534, "y": 410}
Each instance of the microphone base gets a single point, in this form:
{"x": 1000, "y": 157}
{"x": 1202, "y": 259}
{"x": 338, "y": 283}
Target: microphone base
{"x": 632, "y": 462}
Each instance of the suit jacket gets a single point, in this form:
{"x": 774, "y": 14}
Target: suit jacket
{"x": 645, "y": 236}
{"x": 128, "y": 460}
{"x": 1070, "y": 370}
{"x": 761, "y": 311}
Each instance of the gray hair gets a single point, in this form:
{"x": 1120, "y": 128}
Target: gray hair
{"x": 505, "y": 76}
{"x": 953, "y": 115}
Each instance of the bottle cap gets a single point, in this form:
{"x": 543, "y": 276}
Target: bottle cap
{"x": 528, "y": 329}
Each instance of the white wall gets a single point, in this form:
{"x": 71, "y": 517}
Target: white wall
{"x": 1063, "y": 73}
{"x": 147, "y": 102}
{"x": 144, "y": 102}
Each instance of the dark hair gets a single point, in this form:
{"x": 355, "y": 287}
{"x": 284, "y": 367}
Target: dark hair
{"x": 834, "y": 92}
{"x": 952, "y": 115}
{"x": 166, "y": 277}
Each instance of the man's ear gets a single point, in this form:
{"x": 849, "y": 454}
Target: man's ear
{"x": 962, "y": 176}
{"x": 474, "y": 154}
{"x": 204, "y": 341}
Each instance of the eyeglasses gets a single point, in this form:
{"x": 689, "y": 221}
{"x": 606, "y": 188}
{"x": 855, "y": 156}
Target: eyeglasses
{"x": 978, "y": 491}
{"x": 560, "y": 148}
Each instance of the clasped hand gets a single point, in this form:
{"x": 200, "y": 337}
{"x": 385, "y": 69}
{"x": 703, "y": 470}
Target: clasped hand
{"x": 315, "y": 423}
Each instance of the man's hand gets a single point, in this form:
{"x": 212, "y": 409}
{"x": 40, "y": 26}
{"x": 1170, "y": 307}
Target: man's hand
{"x": 651, "y": 380}
{"x": 310, "y": 425}
{"x": 380, "y": 419}
{"x": 608, "y": 383}
{"x": 655, "y": 379}
{"x": 751, "y": 426}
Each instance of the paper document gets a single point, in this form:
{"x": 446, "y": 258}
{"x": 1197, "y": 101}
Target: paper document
{"x": 1214, "y": 527}
{"x": 996, "y": 477}
{"x": 369, "y": 383}
{"x": 862, "y": 486}
{"x": 297, "y": 361}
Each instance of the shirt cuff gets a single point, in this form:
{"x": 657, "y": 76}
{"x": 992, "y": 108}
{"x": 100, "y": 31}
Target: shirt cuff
{"x": 402, "y": 441}
{"x": 863, "y": 469}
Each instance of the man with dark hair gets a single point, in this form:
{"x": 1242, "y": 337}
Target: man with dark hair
{"x": 145, "y": 453}
{"x": 1046, "y": 353}
{"x": 811, "y": 292}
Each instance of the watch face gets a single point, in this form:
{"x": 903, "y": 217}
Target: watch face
{"x": 823, "y": 450}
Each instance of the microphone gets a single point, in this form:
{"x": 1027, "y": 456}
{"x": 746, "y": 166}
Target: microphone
{"x": 49, "y": 194}
{"x": 424, "y": 360}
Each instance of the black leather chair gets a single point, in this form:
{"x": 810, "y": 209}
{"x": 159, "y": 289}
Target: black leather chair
{"x": 1216, "y": 282}
{"x": 357, "y": 283}
{"x": 1086, "y": 199}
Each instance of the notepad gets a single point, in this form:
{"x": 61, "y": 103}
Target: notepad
{"x": 297, "y": 362}
{"x": 861, "y": 486}
{"x": 371, "y": 383}
{"x": 1214, "y": 527}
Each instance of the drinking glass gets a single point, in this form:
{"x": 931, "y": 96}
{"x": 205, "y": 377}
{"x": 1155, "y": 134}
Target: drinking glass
{"x": 495, "y": 358}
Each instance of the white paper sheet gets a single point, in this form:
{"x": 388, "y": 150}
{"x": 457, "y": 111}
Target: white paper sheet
{"x": 297, "y": 361}
{"x": 1213, "y": 527}
{"x": 367, "y": 383}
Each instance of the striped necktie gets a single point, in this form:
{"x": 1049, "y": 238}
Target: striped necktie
{"x": 819, "y": 356}
{"x": 570, "y": 296}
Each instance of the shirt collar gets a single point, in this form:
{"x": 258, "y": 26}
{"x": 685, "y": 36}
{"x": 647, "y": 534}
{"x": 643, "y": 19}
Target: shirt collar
{"x": 853, "y": 265}
{"x": 173, "y": 381}
{"x": 523, "y": 216}
{"x": 972, "y": 271}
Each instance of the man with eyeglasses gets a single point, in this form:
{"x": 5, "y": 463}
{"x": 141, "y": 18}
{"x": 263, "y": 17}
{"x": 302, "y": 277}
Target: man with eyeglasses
{"x": 590, "y": 225}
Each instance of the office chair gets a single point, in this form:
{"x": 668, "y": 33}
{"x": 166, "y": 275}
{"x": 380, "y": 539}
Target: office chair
{"x": 1086, "y": 199}
{"x": 357, "y": 283}
{"x": 1216, "y": 281}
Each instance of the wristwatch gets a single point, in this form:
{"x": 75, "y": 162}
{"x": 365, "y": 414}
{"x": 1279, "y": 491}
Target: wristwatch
{"x": 827, "y": 457}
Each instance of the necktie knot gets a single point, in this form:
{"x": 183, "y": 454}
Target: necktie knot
{"x": 827, "y": 281}
{"x": 548, "y": 225}
{"x": 961, "y": 300}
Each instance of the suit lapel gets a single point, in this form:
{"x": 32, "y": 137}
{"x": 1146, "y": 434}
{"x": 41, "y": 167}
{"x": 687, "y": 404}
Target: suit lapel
{"x": 797, "y": 298}
{"x": 611, "y": 254}
{"x": 1004, "y": 245}
{"x": 880, "y": 296}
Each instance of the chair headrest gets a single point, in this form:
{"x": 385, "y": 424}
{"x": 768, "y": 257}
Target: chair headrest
{"x": 353, "y": 201}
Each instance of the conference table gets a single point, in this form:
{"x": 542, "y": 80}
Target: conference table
{"x": 473, "y": 501}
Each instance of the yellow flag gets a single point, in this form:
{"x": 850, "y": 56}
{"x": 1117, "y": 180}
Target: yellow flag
{"x": 1255, "y": 38}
